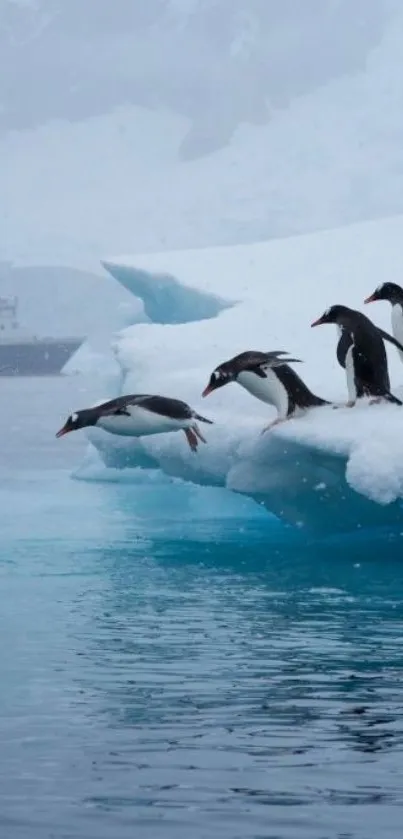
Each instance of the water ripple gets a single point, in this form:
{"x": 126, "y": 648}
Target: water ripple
{"x": 199, "y": 678}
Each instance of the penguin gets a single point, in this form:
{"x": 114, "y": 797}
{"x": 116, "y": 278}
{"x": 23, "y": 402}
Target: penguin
{"x": 394, "y": 294}
{"x": 361, "y": 351}
{"x": 139, "y": 415}
{"x": 269, "y": 378}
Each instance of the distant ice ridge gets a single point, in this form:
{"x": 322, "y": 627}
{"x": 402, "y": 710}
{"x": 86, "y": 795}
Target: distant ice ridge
{"x": 330, "y": 470}
{"x": 332, "y": 157}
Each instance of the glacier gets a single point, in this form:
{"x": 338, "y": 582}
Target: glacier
{"x": 329, "y": 471}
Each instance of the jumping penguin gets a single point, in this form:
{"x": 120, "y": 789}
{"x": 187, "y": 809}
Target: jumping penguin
{"x": 140, "y": 415}
{"x": 269, "y": 378}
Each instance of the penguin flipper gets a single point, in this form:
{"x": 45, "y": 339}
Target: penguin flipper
{"x": 343, "y": 347}
{"x": 260, "y": 369}
{"x": 116, "y": 412}
{"x": 252, "y": 359}
{"x": 390, "y": 338}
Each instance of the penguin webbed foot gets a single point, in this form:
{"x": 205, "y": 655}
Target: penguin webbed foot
{"x": 198, "y": 433}
{"x": 191, "y": 437}
{"x": 272, "y": 424}
{"x": 349, "y": 404}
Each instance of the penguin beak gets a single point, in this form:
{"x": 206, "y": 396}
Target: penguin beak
{"x": 318, "y": 322}
{"x": 63, "y": 431}
{"x": 370, "y": 299}
{"x": 207, "y": 390}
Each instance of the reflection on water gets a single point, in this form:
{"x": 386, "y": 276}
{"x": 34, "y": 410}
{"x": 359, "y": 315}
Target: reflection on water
{"x": 193, "y": 676}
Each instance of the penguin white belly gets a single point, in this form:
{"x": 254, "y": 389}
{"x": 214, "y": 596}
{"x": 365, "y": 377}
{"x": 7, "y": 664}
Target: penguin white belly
{"x": 141, "y": 423}
{"x": 397, "y": 325}
{"x": 269, "y": 389}
{"x": 351, "y": 388}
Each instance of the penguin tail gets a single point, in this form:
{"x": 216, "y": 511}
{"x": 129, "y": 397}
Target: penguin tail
{"x": 311, "y": 401}
{"x": 202, "y": 419}
{"x": 393, "y": 399}
{"x": 317, "y": 401}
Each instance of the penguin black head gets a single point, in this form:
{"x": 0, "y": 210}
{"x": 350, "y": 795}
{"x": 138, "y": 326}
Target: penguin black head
{"x": 221, "y": 376}
{"x": 80, "y": 419}
{"x": 340, "y": 315}
{"x": 386, "y": 291}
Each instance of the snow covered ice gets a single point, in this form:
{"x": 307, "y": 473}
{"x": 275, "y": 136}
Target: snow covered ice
{"x": 329, "y": 470}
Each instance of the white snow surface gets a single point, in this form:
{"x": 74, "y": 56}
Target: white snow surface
{"x": 305, "y": 469}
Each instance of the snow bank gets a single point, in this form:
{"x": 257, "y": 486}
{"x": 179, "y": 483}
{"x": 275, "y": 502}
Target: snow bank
{"x": 330, "y": 469}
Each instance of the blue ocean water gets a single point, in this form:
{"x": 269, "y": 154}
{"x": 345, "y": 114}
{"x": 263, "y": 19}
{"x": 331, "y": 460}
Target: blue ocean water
{"x": 174, "y": 664}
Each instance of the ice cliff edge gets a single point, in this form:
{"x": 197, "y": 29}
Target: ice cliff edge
{"x": 329, "y": 470}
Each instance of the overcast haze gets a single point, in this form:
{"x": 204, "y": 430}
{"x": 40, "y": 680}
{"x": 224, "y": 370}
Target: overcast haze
{"x": 232, "y": 58}
{"x": 130, "y": 126}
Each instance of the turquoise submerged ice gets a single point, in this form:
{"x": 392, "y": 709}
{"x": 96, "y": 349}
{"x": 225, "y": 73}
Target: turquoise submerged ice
{"x": 328, "y": 471}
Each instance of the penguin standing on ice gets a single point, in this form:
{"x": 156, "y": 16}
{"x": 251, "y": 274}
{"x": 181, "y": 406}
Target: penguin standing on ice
{"x": 269, "y": 378}
{"x": 361, "y": 351}
{"x": 394, "y": 294}
{"x": 140, "y": 415}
